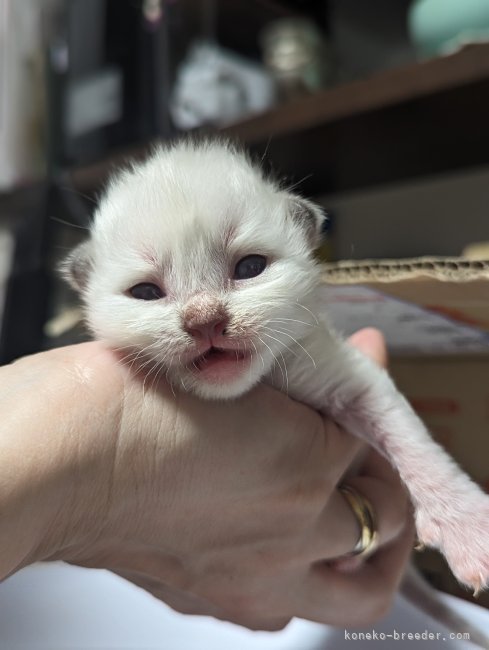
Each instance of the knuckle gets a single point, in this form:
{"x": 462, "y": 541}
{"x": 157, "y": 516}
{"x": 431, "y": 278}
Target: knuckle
{"x": 270, "y": 626}
{"x": 280, "y": 624}
{"x": 257, "y": 605}
{"x": 183, "y": 609}
{"x": 243, "y": 605}
{"x": 238, "y": 597}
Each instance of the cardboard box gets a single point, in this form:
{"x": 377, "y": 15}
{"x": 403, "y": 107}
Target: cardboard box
{"x": 434, "y": 313}
{"x": 451, "y": 394}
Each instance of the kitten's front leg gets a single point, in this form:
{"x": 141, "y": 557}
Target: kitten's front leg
{"x": 452, "y": 512}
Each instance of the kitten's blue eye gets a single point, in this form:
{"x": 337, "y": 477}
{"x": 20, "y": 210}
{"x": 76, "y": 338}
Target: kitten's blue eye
{"x": 249, "y": 267}
{"x": 146, "y": 291}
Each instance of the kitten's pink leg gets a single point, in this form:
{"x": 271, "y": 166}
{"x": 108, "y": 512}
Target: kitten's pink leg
{"x": 452, "y": 512}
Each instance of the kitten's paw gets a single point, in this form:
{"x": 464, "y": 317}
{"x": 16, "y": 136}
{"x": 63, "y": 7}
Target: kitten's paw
{"x": 463, "y": 538}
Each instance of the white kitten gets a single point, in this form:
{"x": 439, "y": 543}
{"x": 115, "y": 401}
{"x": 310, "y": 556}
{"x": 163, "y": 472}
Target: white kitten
{"x": 204, "y": 268}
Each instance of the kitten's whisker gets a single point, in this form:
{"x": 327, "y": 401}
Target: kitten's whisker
{"x": 157, "y": 375}
{"x": 72, "y": 190}
{"x": 154, "y": 375}
{"x": 71, "y": 225}
{"x": 118, "y": 348}
{"x": 287, "y": 347}
{"x": 138, "y": 356}
{"x": 293, "y": 320}
{"x": 128, "y": 359}
{"x": 167, "y": 377}
{"x": 258, "y": 354}
{"x": 134, "y": 354}
{"x": 149, "y": 374}
{"x": 274, "y": 330}
{"x": 180, "y": 379}
{"x": 291, "y": 188}
{"x": 140, "y": 360}
{"x": 286, "y": 391}
{"x": 267, "y": 346}
{"x": 264, "y": 155}
{"x": 309, "y": 311}
{"x": 122, "y": 360}
{"x": 283, "y": 370}
{"x": 296, "y": 342}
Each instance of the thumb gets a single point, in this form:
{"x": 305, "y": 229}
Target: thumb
{"x": 372, "y": 343}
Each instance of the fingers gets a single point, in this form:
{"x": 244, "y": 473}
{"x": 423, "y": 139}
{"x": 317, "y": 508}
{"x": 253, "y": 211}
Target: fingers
{"x": 338, "y": 529}
{"x": 341, "y": 450}
{"x": 378, "y": 482}
{"x": 329, "y": 596}
{"x": 257, "y": 624}
{"x": 391, "y": 507}
{"x": 190, "y": 604}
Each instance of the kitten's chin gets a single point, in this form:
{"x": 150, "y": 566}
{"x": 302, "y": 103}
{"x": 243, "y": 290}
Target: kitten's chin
{"x": 224, "y": 377}
{"x": 223, "y": 391}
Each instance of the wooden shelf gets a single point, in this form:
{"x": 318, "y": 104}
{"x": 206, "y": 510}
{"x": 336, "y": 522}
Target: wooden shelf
{"x": 425, "y": 118}
{"x": 378, "y": 92}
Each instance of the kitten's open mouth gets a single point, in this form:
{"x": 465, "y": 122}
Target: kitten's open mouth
{"x": 218, "y": 364}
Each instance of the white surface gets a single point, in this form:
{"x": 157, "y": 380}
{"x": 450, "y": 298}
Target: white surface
{"x": 59, "y": 607}
{"x": 21, "y": 101}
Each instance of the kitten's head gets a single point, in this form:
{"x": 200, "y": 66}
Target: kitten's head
{"x": 202, "y": 266}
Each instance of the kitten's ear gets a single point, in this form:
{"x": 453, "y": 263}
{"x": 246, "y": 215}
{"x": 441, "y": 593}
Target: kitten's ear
{"x": 76, "y": 268}
{"x": 310, "y": 217}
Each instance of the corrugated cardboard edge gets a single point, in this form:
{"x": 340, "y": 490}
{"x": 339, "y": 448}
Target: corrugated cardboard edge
{"x": 451, "y": 269}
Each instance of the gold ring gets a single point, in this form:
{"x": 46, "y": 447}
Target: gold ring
{"x": 364, "y": 513}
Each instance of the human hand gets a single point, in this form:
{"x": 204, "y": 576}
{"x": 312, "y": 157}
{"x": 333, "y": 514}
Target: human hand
{"x": 225, "y": 509}
{"x": 358, "y": 598}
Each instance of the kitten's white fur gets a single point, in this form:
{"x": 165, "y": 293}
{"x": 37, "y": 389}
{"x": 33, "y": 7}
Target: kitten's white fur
{"x": 183, "y": 219}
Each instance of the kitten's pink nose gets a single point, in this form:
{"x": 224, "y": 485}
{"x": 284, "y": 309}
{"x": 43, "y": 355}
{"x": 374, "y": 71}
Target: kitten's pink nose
{"x": 207, "y": 331}
{"x": 205, "y": 318}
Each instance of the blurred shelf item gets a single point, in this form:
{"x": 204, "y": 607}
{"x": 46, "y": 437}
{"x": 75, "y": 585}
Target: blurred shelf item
{"x": 238, "y": 23}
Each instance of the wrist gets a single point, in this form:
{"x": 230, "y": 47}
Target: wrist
{"x": 53, "y": 453}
